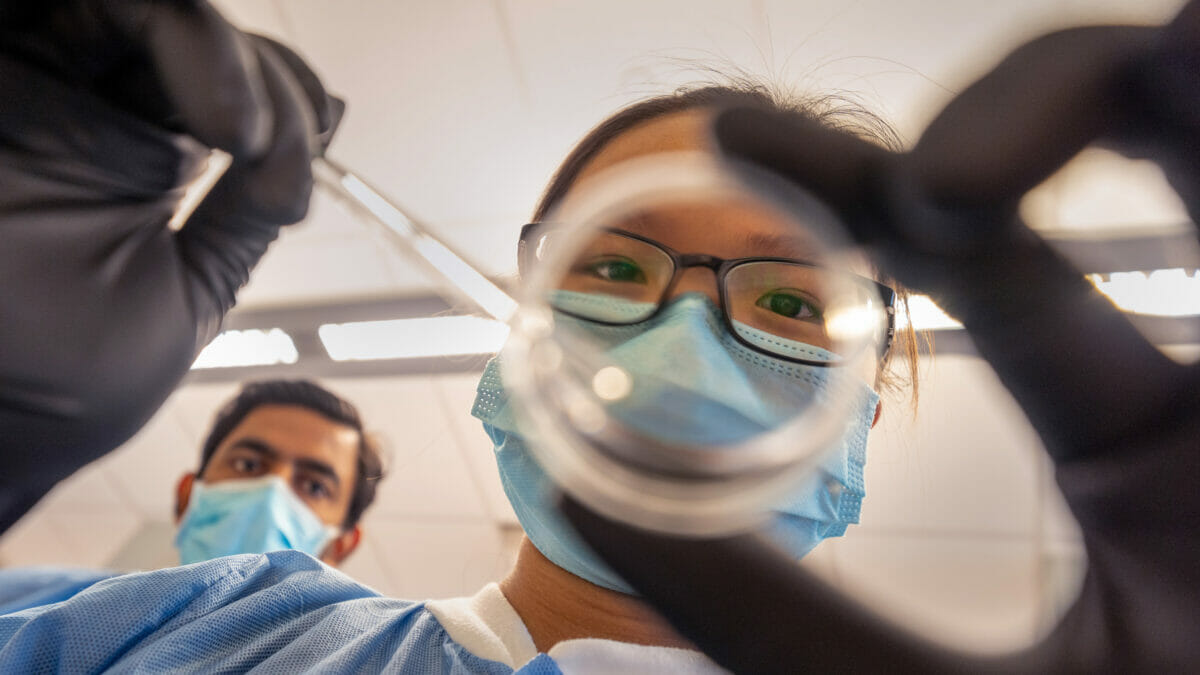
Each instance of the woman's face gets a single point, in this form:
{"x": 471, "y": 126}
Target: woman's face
{"x": 725, "y": 229}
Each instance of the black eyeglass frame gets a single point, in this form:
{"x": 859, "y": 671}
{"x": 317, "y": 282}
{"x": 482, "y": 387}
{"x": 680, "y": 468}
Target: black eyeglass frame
{"x": 721, "y": 268}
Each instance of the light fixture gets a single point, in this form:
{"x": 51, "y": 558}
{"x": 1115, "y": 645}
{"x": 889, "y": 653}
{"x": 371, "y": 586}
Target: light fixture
{"x": 240, "y": 348}
{"x": 412, "y": 338}
{"x": 1167, "y": 292}
{"x": 924, "y": 314}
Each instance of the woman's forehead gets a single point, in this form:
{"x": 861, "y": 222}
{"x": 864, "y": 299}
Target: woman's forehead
{"x": 732, "y": 228}
{"x": 725, "y": 229}
{"x": 685, "y": 130}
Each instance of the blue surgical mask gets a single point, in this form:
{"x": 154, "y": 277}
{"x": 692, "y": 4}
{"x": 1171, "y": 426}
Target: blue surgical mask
{"x": 254, "y": 515}
{"x": 733, "y": 392}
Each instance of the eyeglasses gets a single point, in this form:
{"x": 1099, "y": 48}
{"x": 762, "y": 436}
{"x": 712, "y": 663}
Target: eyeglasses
{"x": 768, "y": 304}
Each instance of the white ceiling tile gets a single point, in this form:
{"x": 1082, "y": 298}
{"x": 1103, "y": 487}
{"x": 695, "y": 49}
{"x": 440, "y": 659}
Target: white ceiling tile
{"x": 433, "y": 100}
{"x": 151, "y": 547}
{"x": 84, "y": 490}
{"x": 148, "y": 466}
{"x": 442, "y": 558}
{"x": 256, "y": 16}
{"x": 194, "y": 407}
{"x": 69, "y": 538}
{"x": 583, "y": 61}
{"x": 593, "y": 57}
{"x": 368, "y": 566}
{"x": 321, "y": 271}
{"x": 458, "y": 394}
{"x": 31, "y": 542}
{"x": 968, "y": 465}
{"x": 1100, "y": 190}
{"x": 460, "y": 110}
{"x": 426, "y": 472}
{"x": 906, "y": 59}
{"x": 970, "y": 593}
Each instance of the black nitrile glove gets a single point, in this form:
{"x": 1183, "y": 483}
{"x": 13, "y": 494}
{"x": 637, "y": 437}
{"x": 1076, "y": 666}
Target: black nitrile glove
{"x": 1120, "y": 420}
{"x": 108, "y": 108}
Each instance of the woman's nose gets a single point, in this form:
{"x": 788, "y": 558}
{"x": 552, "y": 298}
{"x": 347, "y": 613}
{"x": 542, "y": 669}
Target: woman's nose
{"x": 696, "y": 280}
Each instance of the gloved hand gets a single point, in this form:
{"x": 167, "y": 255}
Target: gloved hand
{"x": 110, "y": 107}
{"x": 1119, "y": 420}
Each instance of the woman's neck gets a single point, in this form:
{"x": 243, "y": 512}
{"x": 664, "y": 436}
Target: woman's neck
{"x": 556, "y": 605}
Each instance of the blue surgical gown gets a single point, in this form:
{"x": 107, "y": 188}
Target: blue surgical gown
{"x": 25, "y": 587}
{"x": 278, "y": 612}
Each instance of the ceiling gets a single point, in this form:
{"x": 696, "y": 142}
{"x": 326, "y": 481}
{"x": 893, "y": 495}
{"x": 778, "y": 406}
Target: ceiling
{"x": 460, "y": 111}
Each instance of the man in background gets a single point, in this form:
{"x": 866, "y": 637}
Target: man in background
{"x": 286, "y": 465}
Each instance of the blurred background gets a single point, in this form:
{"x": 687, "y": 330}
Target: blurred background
{"x": 460, "y": 110}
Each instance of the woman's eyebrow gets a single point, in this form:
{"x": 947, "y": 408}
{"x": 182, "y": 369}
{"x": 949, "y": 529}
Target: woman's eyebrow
{"x": 779, "y": 245}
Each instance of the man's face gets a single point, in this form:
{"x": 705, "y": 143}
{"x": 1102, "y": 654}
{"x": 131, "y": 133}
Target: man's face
{"x": 314, "y": 455}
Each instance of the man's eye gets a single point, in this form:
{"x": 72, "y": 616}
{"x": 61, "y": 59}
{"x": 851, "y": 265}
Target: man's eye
{"x": 315, "y": 489}
{"x": 789, "y": 304}
{"x": 245, "y": 465}
{"x": 617, "y": 269}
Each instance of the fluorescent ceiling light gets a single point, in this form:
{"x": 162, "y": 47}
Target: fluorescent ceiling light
{"x": 239, "y": 348}
{"x": 1169, "y": 292}
{"x": 455, "y": 273}
{"x": 924, "y": 314}
{"x": 412, "y": 338}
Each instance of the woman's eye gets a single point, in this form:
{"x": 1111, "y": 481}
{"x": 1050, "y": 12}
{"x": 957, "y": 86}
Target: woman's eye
{"x": 788, "y": 304}
{"x": 617, "y": 269}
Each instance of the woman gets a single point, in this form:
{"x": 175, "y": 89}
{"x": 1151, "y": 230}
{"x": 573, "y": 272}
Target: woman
{"x": 559, "y": 610}
{"x": 559, "y": 589}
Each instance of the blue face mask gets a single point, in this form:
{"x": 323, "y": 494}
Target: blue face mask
{"x": 256, "y": 515}
{"x": 732, "y": 392}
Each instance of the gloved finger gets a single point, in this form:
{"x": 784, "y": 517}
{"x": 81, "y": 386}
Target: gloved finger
{"x": 231, "y": 228}
{"x": 1006, "y": 286}
{"x": 304, "y": 76}
{"x": 835, "y": 166}
{"x": 858, "y": 179}
{"x": 329, "y": 109}
{"x": 277, "y": 186}
{"x": 207, "y": 69}
{"x": 743, "y": 603}
{"x": 1035, "y": 110}
{"x": 1164, "y": 110}
{"x": 337, "y": 110}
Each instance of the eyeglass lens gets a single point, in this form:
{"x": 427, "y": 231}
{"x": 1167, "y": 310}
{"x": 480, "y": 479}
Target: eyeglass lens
{"x": 781, "y": 308}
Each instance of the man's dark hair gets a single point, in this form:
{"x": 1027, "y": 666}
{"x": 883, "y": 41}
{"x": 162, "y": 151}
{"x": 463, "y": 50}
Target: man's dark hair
{"x": 309, "y": 395}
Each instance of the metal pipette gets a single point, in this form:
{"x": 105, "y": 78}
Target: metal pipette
{"x": 457, "y": 274}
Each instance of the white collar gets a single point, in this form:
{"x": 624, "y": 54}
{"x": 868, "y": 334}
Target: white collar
{"x": 487, "y": 626}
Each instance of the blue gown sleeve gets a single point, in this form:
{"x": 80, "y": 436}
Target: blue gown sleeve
{"x": 25, "y": 587}
{"x": 282, "y": 612}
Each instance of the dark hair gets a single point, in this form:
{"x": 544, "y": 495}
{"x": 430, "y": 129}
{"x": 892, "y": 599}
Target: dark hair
{"x": 835, "y": 111}
{"x": 305, "y": 394}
